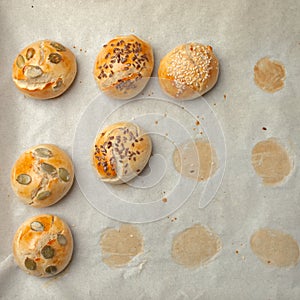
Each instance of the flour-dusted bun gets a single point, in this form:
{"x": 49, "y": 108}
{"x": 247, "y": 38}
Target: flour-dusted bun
{"x": 188, "y": 71}
{"x": 123, "y": 67}
{"x": 42, "y": 175}
{"x": 121, "y": 151}
{"x": 43, "y": 245}
{"x": 44, "y": 70}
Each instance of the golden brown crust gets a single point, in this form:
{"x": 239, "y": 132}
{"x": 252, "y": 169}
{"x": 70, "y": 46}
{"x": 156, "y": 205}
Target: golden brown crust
{"x": 121, "y": 151}
{"x": 42, "y": 175}
{"x": 43, "y": 245}
{"x": 188, "y": 71}
{"x": 124, "y": 66}
{"x": 44, "y": 70}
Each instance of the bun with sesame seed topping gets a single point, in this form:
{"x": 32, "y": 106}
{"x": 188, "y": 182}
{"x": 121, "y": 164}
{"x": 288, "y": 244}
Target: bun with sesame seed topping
{"x": 124, "y": 66}
{"x": 188, "y": 71}
{"x": 120, "y": 152}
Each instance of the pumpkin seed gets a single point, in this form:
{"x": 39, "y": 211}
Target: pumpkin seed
{"x": 48, "y": 252}
{"x": 49, "y": 169}
{"x": 55, "y": 58}
{"x": 24, "y": 179}
{"x": 33, "y": 71}
{"x": 58, "y": 84}
{"x": 30, "y": 264}
{"x": 37, "y": 226}
{"x": 20, "y": 61}
{"x": 43, "y": 152}
{"x": 51, "y": 270}
{"x": 43, "y": 195}
{"x": 30, "y": 53}
{"x": 58, "y": 46}
{"x": 64, "y": 175}
{"x": 61, "y": 239}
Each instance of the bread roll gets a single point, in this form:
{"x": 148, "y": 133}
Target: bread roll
{"x": 42, "y": 175}
{"x": 121, "y": 151}
{"x": 123, "y": 67}
{"x": 44, "y": 70}
{"x": 43, "y": 246}
{"x": 188, "y": 71}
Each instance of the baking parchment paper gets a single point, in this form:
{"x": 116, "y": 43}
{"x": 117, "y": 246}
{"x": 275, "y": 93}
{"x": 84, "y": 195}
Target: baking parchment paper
{"x": 241, "y": 32}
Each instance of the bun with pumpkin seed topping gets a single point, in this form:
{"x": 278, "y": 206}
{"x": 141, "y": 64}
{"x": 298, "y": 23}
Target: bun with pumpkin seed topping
{"x": 43, "y": 245}
{"x": 120, "y": 152}
{"x": 42, "y": 175}
{"x": 44, "y": 69}
{"x": 188, "y": 71}
{"x": 124, "y": 66}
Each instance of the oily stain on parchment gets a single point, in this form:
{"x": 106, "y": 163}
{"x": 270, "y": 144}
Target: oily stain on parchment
{"x": 196, "y": 159}
{"x": 195, "y": 246}
{"x": 275, "y": 248}
{"x": 269, "y": 75}
{"x": 271, "y": 161}
{"x": 120, "y": 246}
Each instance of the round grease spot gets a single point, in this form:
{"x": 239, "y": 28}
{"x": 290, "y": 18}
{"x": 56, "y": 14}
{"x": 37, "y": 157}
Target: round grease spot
{"x": 269, "y": 75}
{"x": 196, "y": 159}
{"x": 120, "y": 246}
{"x": 271, "y": 161}
{"x": 195, "y": 246}
{"x": 275, "y": 248}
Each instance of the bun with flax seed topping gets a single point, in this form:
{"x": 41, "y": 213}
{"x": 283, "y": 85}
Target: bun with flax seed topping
{"x": 123, "y": 67}
{"x": 120, "y": 152}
